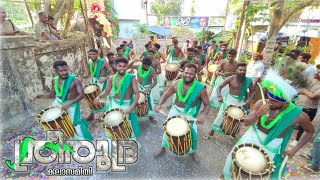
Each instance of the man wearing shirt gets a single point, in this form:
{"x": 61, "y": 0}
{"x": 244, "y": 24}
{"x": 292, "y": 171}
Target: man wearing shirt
{"x": 42, "y": 30}
{"x": 7, "y": 28}
{"x": 310, "y": 70}
{"x": 256, "y": 67}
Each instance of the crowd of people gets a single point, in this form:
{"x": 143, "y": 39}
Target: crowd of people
{"x": 123, "y": 78}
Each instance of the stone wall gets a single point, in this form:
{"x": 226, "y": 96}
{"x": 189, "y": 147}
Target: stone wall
{"x": 27, "y": 70}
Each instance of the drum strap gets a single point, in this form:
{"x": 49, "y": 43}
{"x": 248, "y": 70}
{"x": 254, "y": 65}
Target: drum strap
{"x": 197, "y": 89}
{"x": 145, "y": 53}
{"x": 97, "y": 70}
{"x": 243, "y": 91}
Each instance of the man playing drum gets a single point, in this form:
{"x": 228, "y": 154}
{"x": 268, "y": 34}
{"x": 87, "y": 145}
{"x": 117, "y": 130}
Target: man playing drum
{"x": 272, "y": 123}
{"x": 226, "y": 69}
{"x": 158, "y": 55}
{"x": 145, "y": 51}
{"x": 174, "y": 53}
{"x": 147, "y": 80}
{"x": 238, "y": 95}
{"x": 126, "y": 94}
{"x": 69, "y": 92}
{"x": 192, "y": 59}
{"x": 100, "y": 71}
{"x": 190, "y": 95}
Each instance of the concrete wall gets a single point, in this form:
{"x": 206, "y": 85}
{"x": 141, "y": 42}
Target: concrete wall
{"x": 26, "y": 70}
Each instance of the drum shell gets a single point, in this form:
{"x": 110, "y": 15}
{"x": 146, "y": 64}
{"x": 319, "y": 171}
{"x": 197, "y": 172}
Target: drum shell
{"x": 91, "y": 96}
{"x": 171, "y": 74}
{"x": 143, "y": 108}
{"x": 230, "y": 125}
{"x": 185, "y": 144}
{"x": 118, "y": 130}
{"x": 63, "y": 123}
{"x": 245, "y": 174}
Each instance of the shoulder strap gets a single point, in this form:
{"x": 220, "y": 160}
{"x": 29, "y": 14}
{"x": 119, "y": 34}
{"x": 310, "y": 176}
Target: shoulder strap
{"x": 197, "y": 89}
{"x": 125, "y": 86}
{"x": 12, "y": 25}
{"x": 67, "y": 85}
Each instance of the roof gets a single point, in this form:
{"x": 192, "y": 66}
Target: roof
{"x": 160, "y": 30}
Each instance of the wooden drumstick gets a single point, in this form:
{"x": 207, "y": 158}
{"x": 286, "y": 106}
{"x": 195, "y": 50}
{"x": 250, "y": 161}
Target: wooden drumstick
{"x": 163, "y": 112}
{"x": 262, "y": 95}
{"x": 284, "y": 162}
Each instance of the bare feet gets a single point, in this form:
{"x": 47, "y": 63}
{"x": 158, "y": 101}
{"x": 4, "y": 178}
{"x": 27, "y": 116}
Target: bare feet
{"x": 195, "y": 157}
{"x": 90, "y": 117}
{"x": 160, "y": 153}
{"x": 151, "y": 119}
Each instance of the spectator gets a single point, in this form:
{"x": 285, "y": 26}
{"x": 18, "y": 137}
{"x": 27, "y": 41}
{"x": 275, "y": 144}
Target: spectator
{"x": 206, "y": 45}
{"x": 310, "y": 70}
{"x": 221, "y": 43}
{"x": 7, "y": 28}
{"x": 42, "y": 29}
{"x": 186, "y": 46}
{"x": 256, "y": 67}
{"x": 296, "y": 51}
{"x": 308, "y": 100}
{"x": 52, "y": 28}
{"x": 152, "y": 40}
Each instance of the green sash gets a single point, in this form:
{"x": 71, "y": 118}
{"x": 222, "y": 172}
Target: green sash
{"x": 213, "y": 53}
{"x": 282, "y": 124}
{"x": 145, "y": 53}
{"x": 225, "y": 55}
{"x": 127, "y": 52}
{"x": 99, "y": 68}
{"x": 201, "y": 58}
{"x": 144, "y": 80}
{"x": 197, "y": 89}
{"x": 84, "y": 125}
{"x": 243, "y": 91}
{"x": 132, "y": 116}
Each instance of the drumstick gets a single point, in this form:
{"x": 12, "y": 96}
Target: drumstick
{"x": 262, "y": 95}
{"x": 163, "y": 112}
{"x": 284, "y": 162}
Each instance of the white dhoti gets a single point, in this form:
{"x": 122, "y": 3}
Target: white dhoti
{"x": 227, "y": 100}
{"x": 155, "y": 92}
{"x": 151, "y": 109}
{"x": 71, "y": 112}
{"x": 175, "y": 110}
{"x": 214, "y": 103}
{"x": 254, "y": 136}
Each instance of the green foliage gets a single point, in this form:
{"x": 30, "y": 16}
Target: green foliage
{"x": 17, "y": 13}
{"x": 204, "y": 34}
{"x": 182, "y": 33}
{"x": 166, "y": 8}
{"x": 138, "y": 31}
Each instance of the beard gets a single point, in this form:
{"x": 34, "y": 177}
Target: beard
{"x": 241, "y": 77}
{"x": 121, "y": 72}
{"x": 145, "y": 69}
{"x": 188, "y": 80}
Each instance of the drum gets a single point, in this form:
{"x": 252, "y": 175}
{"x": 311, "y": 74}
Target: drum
{"x": 232, "y": 120}
{"x": 172, "y": 70}
{"x": 249, "y": 161}
{"x": 142, "y": 105}
{"x": 92, "y": 91}
{"x": 116, "y": 123}
{"x": 212, "y": 68}
{"x": 178, "y": 132}
{"x": 54, "y": 118}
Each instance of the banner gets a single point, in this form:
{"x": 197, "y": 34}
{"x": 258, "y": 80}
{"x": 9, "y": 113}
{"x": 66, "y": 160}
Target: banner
{"x": 192, "y": 22}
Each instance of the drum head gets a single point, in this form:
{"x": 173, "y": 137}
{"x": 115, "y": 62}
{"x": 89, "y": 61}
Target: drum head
{"x": 251, "y": 159}
{"x": 172, "y": 67}
{"x": 51, "y": 114}
{"x": 90, "y": 89}
{"x": 235, "y": 112}
{"x": 177, "y": 127}
{"x": 142, "y": 98}
{"x": 113, "y": 118}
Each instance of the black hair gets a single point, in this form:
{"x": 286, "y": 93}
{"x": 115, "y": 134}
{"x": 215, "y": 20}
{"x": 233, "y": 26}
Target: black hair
{"x": 122, "y": 45}
{"x": 121, "y": 59}
{"x": 190, "y": 49}
{"x": 305, "y": 55}
{"x": 183, "y": 63}
{"x": 296, "y": 51}
{"x": 240, "y": 64}
{"x": 146, "y": 61}
{"x": 221, "y": 42}
{"x": 224, "y": 44}
{"x": 119, "y": 48}
{"x": 199, "y": 47}
{"x": 151, "y": 37}
{"x": 50, "y": 18}
{"x": 93, "y": 50}
{"x": 292, "y": 55}
{"x": 146, "y": 45}
{"x": 41, "y": 13}
{"x": 58, "y": 63}
{"x": 157, "y": 45}
{"x": 232, "y": 52}
{"x": 214, "y": 41}
{"x": 152, "y": 51}
{"x": 124, "y": 42}
{"x": 187, "y": 41}
{"x": 190, "y": 65}
{"x": 110, "y": 54}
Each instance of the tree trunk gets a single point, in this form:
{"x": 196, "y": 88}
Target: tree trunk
{"x": 47, "y": 7}
{"x": 244, "y": 9}
{"x": 70, "y": 13}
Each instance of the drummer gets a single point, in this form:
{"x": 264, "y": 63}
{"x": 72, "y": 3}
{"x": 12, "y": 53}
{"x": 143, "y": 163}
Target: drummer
{"x": 145, "y": 51}
{"x": 238, "y": 95}
{"x": 190, "y": 95}
{"x": 226, "y": 69}
{"x": 174, "y": 53}
{"x": 272, "y": 124}
{"x": 157, "y": 54}
{"x": 68, "y": 95}
{"x": 192, "y": 59}
{"x": 147, "y": 80}
{"x": 155, "y": 92}
{"x": 125, "y": 88}
{"x": 100, "y": 71}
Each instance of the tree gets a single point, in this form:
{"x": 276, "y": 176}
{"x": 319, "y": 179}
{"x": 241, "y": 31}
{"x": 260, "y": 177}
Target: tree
{"x": 280, "y": 12}
{"x": 166, "y": 7}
